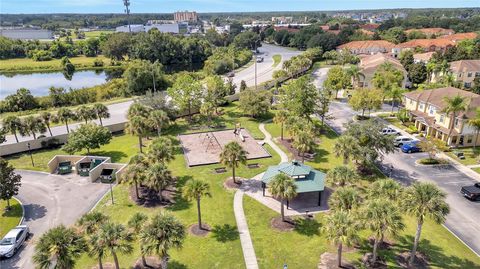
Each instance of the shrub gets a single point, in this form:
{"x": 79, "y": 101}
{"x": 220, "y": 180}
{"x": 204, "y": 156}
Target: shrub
{"x": 51, "y": 143}
{"x": 41, "y": 55}
{"x": 412, "y": 129}
{"x": 432, "y": 161}
{"x": 98, "y": 63}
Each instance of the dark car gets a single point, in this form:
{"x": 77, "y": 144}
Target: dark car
{"x": 411, "y": 147}
{"x": 471, "y": 192}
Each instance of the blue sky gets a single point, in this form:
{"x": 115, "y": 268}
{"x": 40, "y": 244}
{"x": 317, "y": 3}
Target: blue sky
{"x": 167, "y": 6}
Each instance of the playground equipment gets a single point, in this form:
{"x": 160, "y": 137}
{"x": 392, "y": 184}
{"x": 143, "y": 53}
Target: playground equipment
{"x": 212, "y": 141}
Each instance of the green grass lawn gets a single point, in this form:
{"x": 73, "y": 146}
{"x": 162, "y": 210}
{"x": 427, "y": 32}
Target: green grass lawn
{"x": 11, "y": 218}
{"x": 476, "y": 170}
{"x": 301, "y": 248}
{"x": 29, "y": 65}
{"x": 276, "y": 59}
{"x": 471, "y": 155}
{"x": 96, "y": 34}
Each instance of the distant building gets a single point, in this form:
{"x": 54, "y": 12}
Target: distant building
{"x": 26, "y": 33}
{"x": 460, "y": 36}
{"x": 134, "y": 28}
{"x": 422, "y": 57}
{"x": 369, "y": 65}
{"x": 282, "y": 20}
{"x": 427, "y": 45}
{"x": 430, "y": 32}
{"x": 465, "y": 71}
{"x": 368, "y": 47}
{"x": 370, "y": 26}
{"x": 181, "y": 16}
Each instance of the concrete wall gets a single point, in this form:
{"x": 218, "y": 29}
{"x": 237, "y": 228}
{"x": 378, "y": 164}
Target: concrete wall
{"x": 22, "y": 146}
{"x": 53, "y": 163}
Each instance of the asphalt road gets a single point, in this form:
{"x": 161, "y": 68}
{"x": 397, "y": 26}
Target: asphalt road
{"x": 265, "y": 69}
{"x": 51, "y": 200}
{"x": 118, "y": 114}
{"x": 464, "y": 217}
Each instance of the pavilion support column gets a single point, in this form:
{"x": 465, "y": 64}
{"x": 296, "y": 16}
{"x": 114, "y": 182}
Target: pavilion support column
{"x": 288, "y": 203}
{"x": 263, "y": 188}
{"x": 319, "y": 198}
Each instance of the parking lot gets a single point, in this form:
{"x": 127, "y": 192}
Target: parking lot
{"x": 51, "y": 200}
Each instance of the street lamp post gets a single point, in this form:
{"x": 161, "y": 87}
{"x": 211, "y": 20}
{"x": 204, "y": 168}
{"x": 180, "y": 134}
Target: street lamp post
{"x": 111, "y": 192}
{"x": 30, "y": 152}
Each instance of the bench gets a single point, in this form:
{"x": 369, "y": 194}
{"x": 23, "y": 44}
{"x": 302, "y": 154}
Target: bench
{"x": 220, "y": 170}
{"x": 253, "y": 165}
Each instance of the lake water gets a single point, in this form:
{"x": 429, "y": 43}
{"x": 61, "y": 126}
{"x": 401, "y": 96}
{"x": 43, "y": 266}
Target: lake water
{"x": 39, "y": 83}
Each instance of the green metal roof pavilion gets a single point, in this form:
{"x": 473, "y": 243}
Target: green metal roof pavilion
{"x": 306, "y": 178}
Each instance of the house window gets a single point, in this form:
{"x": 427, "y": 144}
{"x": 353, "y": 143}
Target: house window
{"x": 431, "y": 109}
{"x": 442, "y": 118}
{"x": 469, "y": 74}
{"x": 469, "y": 139}
{"x": 411, "y": 101}
{"x": 456, "y": 122}
{"x": 468, "y": 84}
{"x": 477, "y": 74}
{"x": 460, "y": 75}
{"x": 422, "y": 106}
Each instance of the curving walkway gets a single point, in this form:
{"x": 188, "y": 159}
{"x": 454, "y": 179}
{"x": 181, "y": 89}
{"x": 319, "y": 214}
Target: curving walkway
{"x": 245, "y": 239}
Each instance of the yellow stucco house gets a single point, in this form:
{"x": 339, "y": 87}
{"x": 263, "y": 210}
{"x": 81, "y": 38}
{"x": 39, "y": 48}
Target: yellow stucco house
{"x": 426, "y": 110}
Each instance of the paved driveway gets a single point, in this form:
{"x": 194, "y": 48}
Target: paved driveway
{"x": 51, "y": 200}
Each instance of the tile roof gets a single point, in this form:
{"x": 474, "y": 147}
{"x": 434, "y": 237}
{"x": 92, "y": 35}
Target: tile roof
{"x": 368, "y": 44}
{"x": 465, "y": 66}
{"x": 370, "y": 26}
{"x": 425, "y": 57}
{"x": 436, "y": 97}
{"x": 460, "y": 36}
{"x": 427, "y": 43}
{"x": 370, "y": 63}
{"x": 288, "y": 29}
{"x": 314, "y": 180}
{"x": 432, "y": 31}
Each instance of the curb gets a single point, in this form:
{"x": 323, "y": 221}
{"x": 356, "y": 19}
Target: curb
{"x": 101, "y": 198}
{"x": 460, "y": 240}
{"x": 23, "y": 210}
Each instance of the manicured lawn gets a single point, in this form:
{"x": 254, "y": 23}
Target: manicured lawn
{"x": 29, "y": 65}
{"x": 471, "y": 155}
{"x": 221, "y": 248}
{"x": 11, "y": 218}
{"x": 476, "y": 170}
{"x": 276, "y": 59}
{"x": 96, "y": 34}
{"x": 302, "y": 248}
{"x": 120, "y": 149}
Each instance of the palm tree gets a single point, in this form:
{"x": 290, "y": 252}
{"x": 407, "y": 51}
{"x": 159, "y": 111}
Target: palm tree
{"x": 159, "y": 120}
{"x": 160, "y": 235}
{"x": 89, "y": 224}
{"x": 424, "y": 200}
{"x": 137, "y": 109}
{"x": 86, "y": 113}
{"x": 161, "y": 150}
{"x": 341, "y": 176}
{"x": 135, "y": 172}
{"x": 31, "y": 125}
{"x": 195, "y": 190}
{"x": 47, "y": 119}
{"x": 387, "y": 188}
{"x": 453, "y": 105}
{"x": 345, "y": 198}
{"x": 232, "y": 155}
{"x": 101, "y": 111}
{"x": 158, "y": 177}
{"x": 345, "y": 147}
{"x": 355, "y": 73}
{"x": 12, "y": 124}
{"x": 382, "y": 217}
{"x": 475, "y": 124}
{"x": 64, "y": 115}
{"x": 117, "y": 239}
{"x": 396, "y": 93}
{"x": 284, "y": 188}
{"x": 58, "y": 248}
{"x": 304, "y": 142}
{"x": 341, "y": 229}
{"x": 138, "y": 126}
{"x": 136, "y": 224}
{"x": 281, "y": 118}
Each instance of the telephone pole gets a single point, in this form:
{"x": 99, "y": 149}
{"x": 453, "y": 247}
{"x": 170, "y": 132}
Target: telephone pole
{"x": 126, "y": 3}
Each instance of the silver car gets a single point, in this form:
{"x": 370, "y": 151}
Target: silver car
{"x": 400, "y": 140}
{"x": 13, "y": 240}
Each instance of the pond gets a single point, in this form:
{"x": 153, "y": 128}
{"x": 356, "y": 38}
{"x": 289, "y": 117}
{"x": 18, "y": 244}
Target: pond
{"x": 39, "y": 83}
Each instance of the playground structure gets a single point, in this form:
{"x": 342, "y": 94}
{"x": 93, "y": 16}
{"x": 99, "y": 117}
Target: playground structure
{"x": 205, "y": 147}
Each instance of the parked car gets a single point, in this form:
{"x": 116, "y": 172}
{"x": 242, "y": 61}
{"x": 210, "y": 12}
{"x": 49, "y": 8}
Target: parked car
{"x": 401, "y": 140}
{"x": 411, "y": 147}
{"x": 390, "y": 131}
{"x": 259, "y": 59}
{"x": 13, "y": 240}
{"x": 471, "y": 192}
{"x": 230, "y": 74}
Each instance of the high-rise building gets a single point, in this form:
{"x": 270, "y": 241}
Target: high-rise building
{"x": 190, "y": 16}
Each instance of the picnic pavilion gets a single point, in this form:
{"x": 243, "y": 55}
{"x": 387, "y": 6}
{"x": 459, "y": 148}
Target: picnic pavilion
{"x": 307, "y": 179}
